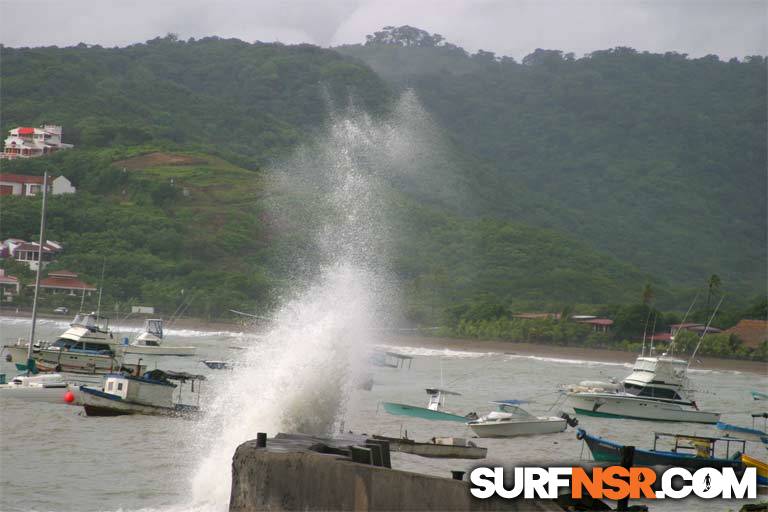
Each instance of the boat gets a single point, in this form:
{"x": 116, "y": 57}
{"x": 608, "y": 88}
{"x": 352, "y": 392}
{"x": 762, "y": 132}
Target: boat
{"x": 87, "y": 346}
{"x": 152, "y": 393}
{"x": 688, "y": 451}
{"x": 762, "y": 468}
{"x": 759, "y": 395}
{"x": 511, "y": 420}
{"x": 150, "y": 342}
{"x": 433, "y": 411}
{"x": 45, "y": 387}
{"x": 754, "y": 432}
{"x": 655, "y": 390}
{"x": 436, "y": 448}
{"x": 388, "y": 359}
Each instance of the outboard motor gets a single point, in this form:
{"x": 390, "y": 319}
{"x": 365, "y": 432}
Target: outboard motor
{"x": 572, "y": 422}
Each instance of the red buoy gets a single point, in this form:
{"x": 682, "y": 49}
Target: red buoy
{"x": 69, "y": 397}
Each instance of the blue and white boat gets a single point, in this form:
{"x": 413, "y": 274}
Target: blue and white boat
{"x": 435, "y": 409}
{"x": 688, "y": 451}
{"x": 754, "y": 432}
{"x": 152, "y": 393}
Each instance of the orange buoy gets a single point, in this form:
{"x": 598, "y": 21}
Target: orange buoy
{"x": 69, "y": 397}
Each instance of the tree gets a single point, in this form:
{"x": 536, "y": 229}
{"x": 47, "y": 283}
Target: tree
{"x": 713, "y": 285}
{"x": 647, "y": 294}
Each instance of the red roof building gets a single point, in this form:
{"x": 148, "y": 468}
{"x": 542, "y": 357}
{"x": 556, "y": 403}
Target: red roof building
{"x": 598, "y": 324}
{"x": 64, "y": 281}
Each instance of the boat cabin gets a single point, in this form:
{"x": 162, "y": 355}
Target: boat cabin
{"x": 658, "y": 377}
{"x": 153, "y": 388}
{"x": 509, "y": 410}
{"x": 699, "y": 446}
{"x": 91, "y": 321}
{"x": 436, "y": 400}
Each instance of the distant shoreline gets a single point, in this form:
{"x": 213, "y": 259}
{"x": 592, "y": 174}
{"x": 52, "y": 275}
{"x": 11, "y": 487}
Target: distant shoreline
{"x": 467, "y": 345}
{"x": 564, "y": 352}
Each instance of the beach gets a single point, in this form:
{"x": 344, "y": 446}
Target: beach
{"x": 565, "y": 352}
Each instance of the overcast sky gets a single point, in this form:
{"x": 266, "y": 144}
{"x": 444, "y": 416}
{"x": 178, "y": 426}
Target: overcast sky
{"x": 728, "y": 28}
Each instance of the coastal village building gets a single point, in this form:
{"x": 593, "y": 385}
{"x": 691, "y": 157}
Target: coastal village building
{"x": 30, "y": 186}
{"x": 9, "y": 286}
{"x": 597, "y": 324}
{"x": 752, "y": 333}
{"x": 64, "y": 281}
{"x": 28, "y": 252}
{"x": 26, "y": 142}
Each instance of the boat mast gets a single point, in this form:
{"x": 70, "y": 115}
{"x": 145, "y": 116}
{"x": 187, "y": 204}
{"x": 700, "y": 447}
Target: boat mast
{"x": 39, "y": 271}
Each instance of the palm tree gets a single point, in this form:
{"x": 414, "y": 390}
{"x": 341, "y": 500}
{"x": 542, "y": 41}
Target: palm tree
{"x": 713, "y": 285}
{"x": 647, "y": 293}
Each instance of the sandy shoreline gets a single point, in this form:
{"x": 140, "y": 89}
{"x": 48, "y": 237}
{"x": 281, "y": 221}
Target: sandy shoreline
{"x": 577, "y": 353}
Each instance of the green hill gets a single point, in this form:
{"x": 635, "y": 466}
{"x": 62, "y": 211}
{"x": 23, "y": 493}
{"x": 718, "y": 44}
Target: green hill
{"x": 542, "y": 184}
{"x": 659, "y": 160}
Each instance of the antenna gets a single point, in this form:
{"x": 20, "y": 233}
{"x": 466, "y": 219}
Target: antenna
{"x": 655, "y": 317}
{"x": 39, "y": 271}
{"x": 101, "y": 288}
{"x": 672, "y": 345}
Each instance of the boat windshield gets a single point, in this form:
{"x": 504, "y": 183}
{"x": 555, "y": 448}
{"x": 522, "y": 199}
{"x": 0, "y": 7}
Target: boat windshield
{"x": 651, "y": 391}
{"x": 91, "y": 322}
{"x": 64, "y": 344}
{"x": 154, "y": 326}
{"x": 514, "y": 410}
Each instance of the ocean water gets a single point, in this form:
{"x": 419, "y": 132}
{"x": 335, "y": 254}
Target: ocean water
{"x": 52, "y": 457}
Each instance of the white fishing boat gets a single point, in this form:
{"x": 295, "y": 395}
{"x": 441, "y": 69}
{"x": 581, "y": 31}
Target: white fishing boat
{"x": 436, "y": 448}
{"x": 88, "y": 346}
{"x": 657, "y": 389}
{"x": 46, "y": 387}
{"x": 150, "y": 342}
{"x": 152, "y": 393}
{"x": 511, "y": 420}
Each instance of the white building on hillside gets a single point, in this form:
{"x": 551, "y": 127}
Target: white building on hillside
{"x": 25, "y": 142}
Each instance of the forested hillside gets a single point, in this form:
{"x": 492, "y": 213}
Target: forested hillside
{"x": 659, "y": 160}
{"x": 542, "y": 184}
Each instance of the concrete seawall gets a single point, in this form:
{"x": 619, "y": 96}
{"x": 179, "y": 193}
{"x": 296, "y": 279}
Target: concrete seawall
{"x": 282, "y": 478}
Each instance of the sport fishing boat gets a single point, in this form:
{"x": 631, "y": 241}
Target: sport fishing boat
{"x": 150, "y": 342}
{"x": 655, "y": 390}
{"x": 435, "y": 409}
{"x": 688, "y": 451}
{"x": 88, "y": 346}
{"x": 511, "y": 420}
{"x": 152, "y": 393}
{"x": 758, "y": 434}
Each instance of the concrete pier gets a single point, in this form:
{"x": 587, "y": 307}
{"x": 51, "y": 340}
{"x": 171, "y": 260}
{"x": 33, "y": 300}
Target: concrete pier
{"x": 315, "y": 475}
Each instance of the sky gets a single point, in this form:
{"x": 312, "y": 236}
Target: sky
{"x": 727, "y": 28}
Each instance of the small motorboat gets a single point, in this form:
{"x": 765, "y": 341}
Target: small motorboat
{"x": 759, "y": 395}
{"x": 150, "y": 342}
{"x": 435, "y": 409}
{"x": 511, "y": 420}
{"x": 152, "y": 393}
{"x": 436, "y": 448}
{"x": 754, "y": 432}
{"x": 762, "y": 468}
{"x": 688, "y": 451}
{"x": 47, "y": 387}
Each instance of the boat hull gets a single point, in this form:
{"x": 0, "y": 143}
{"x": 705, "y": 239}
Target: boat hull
{"x": 421, "y": 412}
{"x": 607, "y": 405}
{"x": 64, "y": 361}
{"x": 608, "y": 451}
{"x": 161, "y": 350}
{"x": 434, "y": 450}
{"x": 98, "y": 403}
{"x": 752, "y": 433}
{"x": 518, "y": 428}
{"x": 762, "y": 468}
